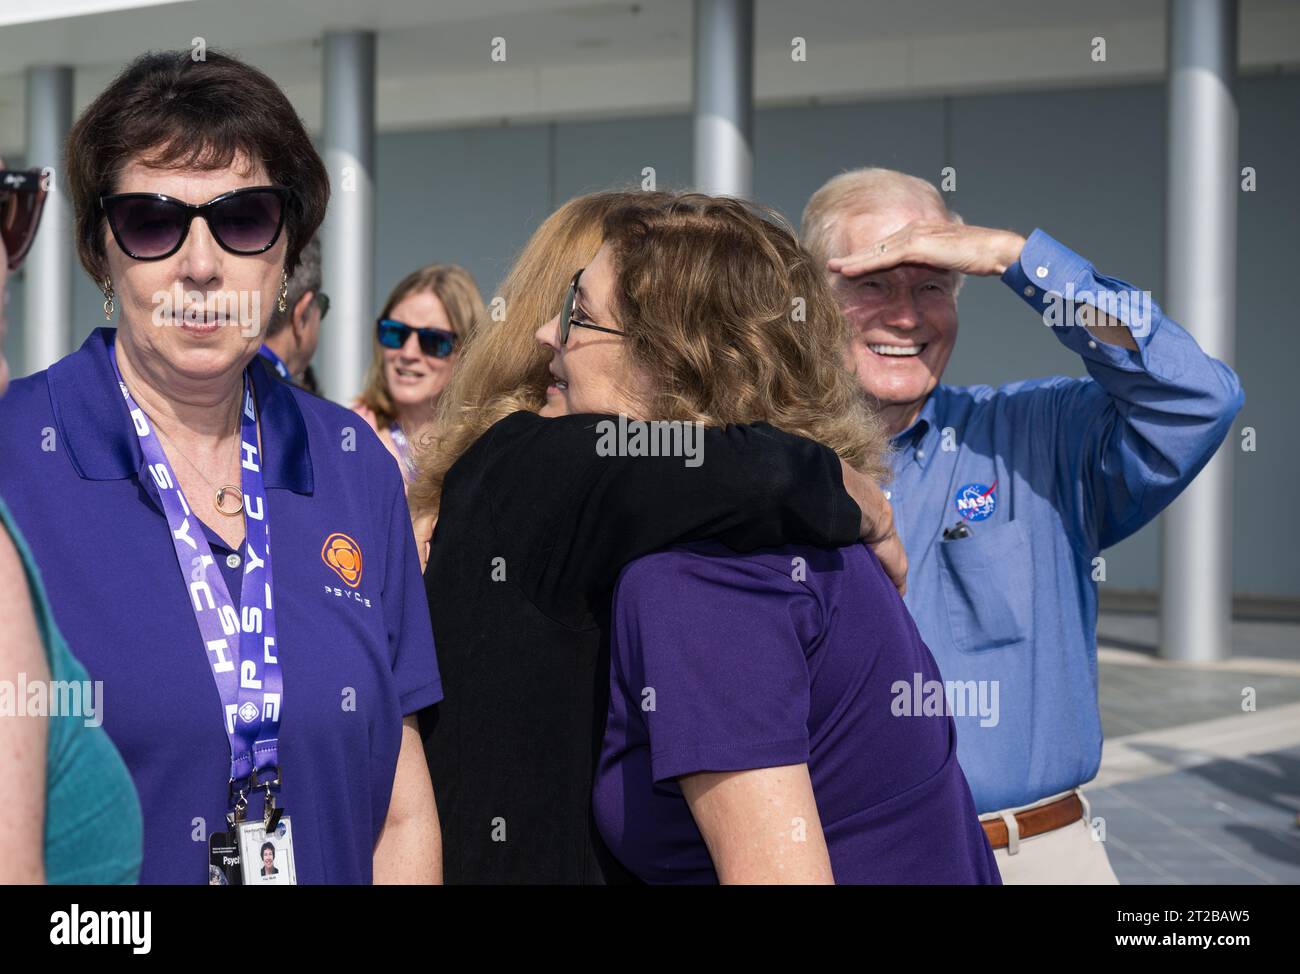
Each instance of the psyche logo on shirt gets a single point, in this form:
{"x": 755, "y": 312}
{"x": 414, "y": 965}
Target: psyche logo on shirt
{"x": 343, "y": 555}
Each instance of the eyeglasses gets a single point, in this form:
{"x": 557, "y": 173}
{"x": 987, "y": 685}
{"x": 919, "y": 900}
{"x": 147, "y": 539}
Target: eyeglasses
{"x": 151, "y": 226}
{"x": 323, "y": 302}
{"x": 568, "y": 321}
{"x": 22, "y": 197}
{"x": 433, "y": 341}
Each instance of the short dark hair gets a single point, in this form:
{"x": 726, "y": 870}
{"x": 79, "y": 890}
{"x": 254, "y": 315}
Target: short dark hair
{"x": 174, "y": 111}
{"x": 265, "y": 846}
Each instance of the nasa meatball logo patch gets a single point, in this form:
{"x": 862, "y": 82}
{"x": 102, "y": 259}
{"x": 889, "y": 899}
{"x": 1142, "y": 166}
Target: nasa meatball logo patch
{"x": 976, "y": 502}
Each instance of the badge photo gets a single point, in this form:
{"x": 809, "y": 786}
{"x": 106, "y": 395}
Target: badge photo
{"x": 267, "y": 858}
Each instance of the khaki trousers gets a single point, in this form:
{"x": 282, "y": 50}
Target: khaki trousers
{"x": 1065, "y": 856}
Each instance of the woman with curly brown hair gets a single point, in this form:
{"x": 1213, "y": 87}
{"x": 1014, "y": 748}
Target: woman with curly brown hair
{"x": 533, "y": 525}
{"x": 754, "y": 733}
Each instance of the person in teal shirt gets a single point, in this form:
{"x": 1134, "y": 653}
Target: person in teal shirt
{"x": 75, "y": 814}
{"x": 93, "y": 830}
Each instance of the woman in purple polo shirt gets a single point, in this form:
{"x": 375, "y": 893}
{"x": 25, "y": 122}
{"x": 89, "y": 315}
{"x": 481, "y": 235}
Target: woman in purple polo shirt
{"x": 760, "y": 726}
{"x": 258, "y": 692}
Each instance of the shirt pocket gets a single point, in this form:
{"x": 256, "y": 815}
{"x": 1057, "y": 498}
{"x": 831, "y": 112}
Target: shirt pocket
{"x": 987, "y": 587}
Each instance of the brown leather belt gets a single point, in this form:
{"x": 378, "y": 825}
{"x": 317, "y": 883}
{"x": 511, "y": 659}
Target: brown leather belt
{"x": 1035, "y": 821}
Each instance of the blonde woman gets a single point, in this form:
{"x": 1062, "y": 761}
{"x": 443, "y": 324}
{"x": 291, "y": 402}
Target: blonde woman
{"x": 534, "y": 522}
{"x": 427, "y": 318}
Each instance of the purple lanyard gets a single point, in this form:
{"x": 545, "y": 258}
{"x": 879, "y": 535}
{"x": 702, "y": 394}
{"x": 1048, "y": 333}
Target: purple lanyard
{"x": 250, "y": 684}
{"x": 275, "y": 361}
{"x": 403, "y": 451}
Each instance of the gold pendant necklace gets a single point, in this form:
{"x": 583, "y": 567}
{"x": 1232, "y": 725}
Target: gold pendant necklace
{"x": 221, "y": 493}
{"x": 221, "y": 496}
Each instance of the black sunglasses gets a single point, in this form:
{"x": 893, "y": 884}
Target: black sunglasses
{"x": 433, "y": 341}
{"x": 22, "y": 197}
{"x": 568, "y": 321}
{"x": 323, "y": 302}
{"x": 151, "y": 226}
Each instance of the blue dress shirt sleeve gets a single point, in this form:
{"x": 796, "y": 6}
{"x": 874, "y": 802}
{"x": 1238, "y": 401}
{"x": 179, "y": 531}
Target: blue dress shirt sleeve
{"x": 1131, "y": 437}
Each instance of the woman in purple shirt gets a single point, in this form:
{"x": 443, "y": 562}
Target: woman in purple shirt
{"x": 150, "y": 468}
{"x": 760, "y": 726}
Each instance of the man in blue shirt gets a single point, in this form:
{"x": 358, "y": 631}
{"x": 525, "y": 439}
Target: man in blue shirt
{"x": 1004, "y": 497}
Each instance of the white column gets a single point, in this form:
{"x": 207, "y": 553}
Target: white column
{"x": 1201, "y": 280}
{"x": 348, "y": 234}
{"x": 724, "y": 97}
{"x": 47, "y": 271}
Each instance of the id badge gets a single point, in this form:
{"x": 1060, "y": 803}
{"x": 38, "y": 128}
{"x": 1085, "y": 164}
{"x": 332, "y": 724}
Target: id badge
{"x": 266, "y": 857}
{"x": 223, "y": 860}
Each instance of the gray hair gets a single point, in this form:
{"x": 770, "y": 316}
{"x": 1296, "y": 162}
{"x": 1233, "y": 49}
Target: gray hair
{"x": 860, "y": 191}
{"x": 305, "y": 278}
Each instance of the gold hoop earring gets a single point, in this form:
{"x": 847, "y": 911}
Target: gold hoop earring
{"x": 107, "y": 287}
{"x": 283, "y": 303}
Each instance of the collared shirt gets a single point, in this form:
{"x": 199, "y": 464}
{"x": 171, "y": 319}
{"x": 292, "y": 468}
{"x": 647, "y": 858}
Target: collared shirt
{"x": 1045, "y": 474}
{"x": 792, "y": 655}
{"x": 356, "y": 647}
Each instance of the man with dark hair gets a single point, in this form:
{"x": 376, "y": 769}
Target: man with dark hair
{"x": 293, "y": 334}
